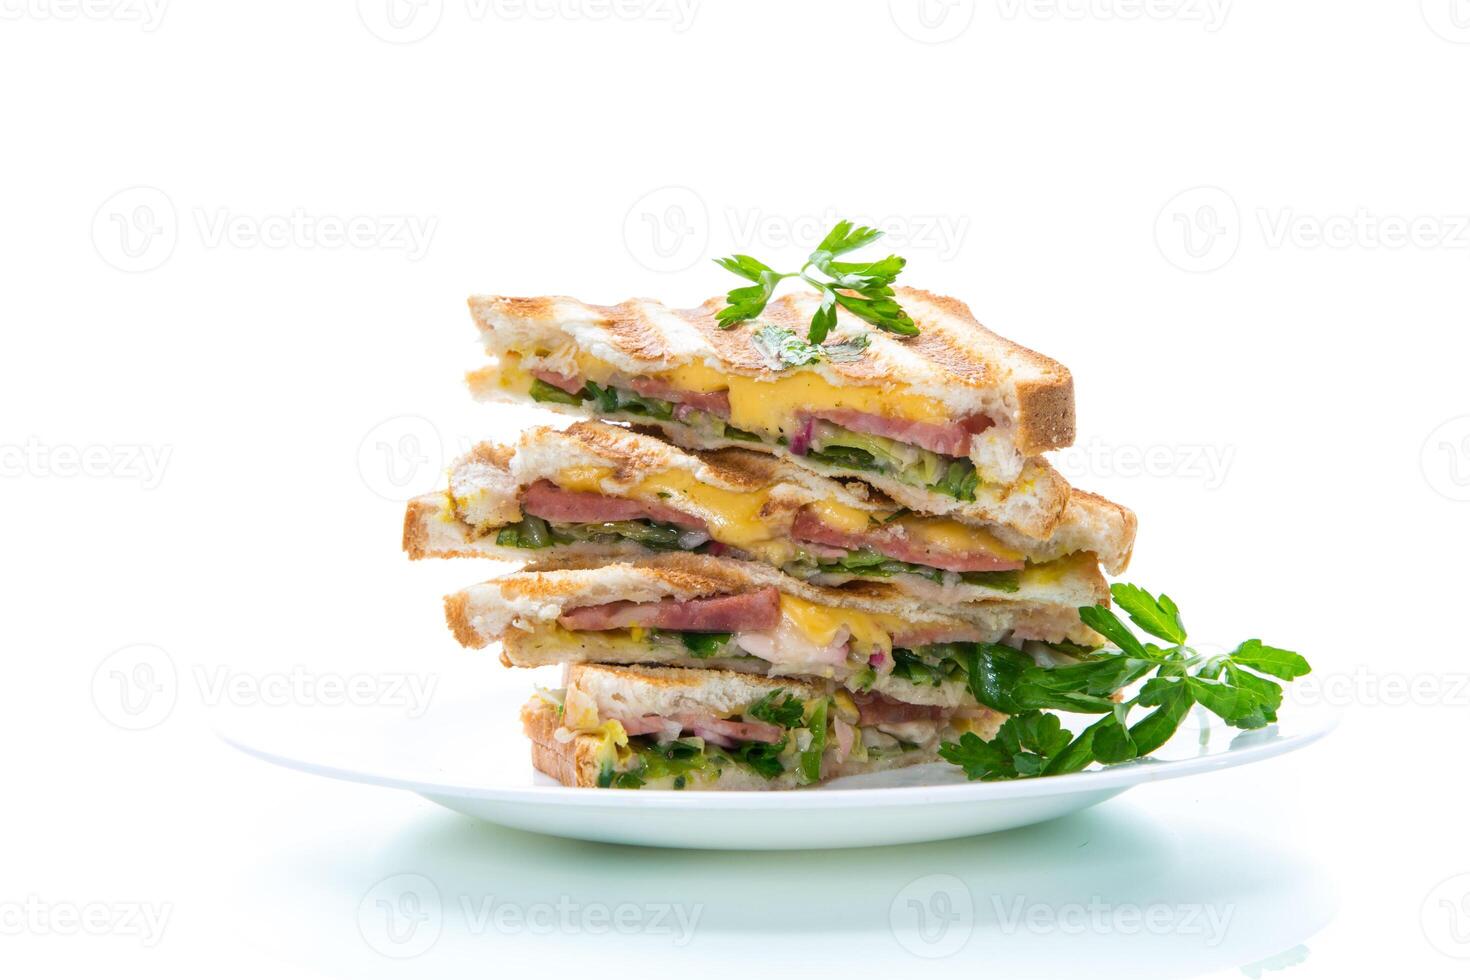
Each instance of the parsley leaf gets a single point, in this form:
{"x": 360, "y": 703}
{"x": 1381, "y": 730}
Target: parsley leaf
{"x": 786, "y": 713}
{"x": 1157, "y": 617}
{"x": 1022, "y": 747}
{"x": 763, "y": 757}
{"x": 1269, "y": 660}
{"x": 864, "y": 289}
{"x": 1105, "y": 622}
{"x": 1176, "y": 678}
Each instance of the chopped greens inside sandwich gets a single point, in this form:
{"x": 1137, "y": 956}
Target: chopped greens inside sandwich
{"x": 602, "y": 491}
{"x": 658, "y": 728}
{"x": 927, "y": 452}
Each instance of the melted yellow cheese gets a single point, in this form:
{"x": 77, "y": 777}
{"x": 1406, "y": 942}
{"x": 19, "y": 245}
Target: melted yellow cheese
{"x": 771, "y": 406}
{"x": 583, "y": 479}
{"x": 768, "y": 406}
{"x": 735, "y": 517}
{"x": 820, "y": 624}
{"x": 507, "y": 375}
{"x": 955, "y": 538}
{"x": 850, "y": 520}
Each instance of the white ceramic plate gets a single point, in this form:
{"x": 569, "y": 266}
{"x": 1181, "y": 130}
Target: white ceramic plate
{"x": 466, "y": 752}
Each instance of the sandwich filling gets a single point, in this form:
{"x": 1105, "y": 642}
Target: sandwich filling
{"x": 808, "y": 735}
{"x": 768, "y": 631}
{"x": 825, "y": 542}
{"x": 867, "y": 428}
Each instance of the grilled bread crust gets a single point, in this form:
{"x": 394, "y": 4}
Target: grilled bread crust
{"x": 433, "y": 527}
{"x": 536, "y": 596}
{"x": 576, "y": 761}
{"x": 954, "y": 359}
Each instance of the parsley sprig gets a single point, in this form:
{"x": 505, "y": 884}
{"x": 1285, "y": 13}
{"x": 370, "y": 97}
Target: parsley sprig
{"x": 864, "y": 289}
{"x": 1236, "y": 687}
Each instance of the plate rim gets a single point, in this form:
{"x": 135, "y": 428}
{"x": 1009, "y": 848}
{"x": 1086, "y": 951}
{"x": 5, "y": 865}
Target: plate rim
{"x": 1119, "y": 776}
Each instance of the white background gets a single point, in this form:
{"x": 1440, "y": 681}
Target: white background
{"x": 1270, "y": 370}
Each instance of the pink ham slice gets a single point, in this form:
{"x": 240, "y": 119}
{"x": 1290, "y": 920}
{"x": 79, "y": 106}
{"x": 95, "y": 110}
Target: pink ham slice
{"x": 714, "y": 402}
{"x": 646, "y": 725}
{"x": 760, "y": 610}
{"x": 947, "y": 440}
{"x": 571, "y": 384}
{"x": 545, "y": 499}
{"x": 712, "y": 729}
{"x": 892, "y": 542}
{"x": 875, "y": 709}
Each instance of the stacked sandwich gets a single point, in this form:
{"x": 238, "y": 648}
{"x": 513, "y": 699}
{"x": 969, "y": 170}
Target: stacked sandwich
{"x": 763, "y": 562}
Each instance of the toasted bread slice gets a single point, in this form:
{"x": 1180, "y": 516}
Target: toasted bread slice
{"x": 535, "y": 598}
{"x": 582, "y": 742}
{"x": 1010, "y": 403}
{"x": 578, "y": 761}
{"x": 746, "y": 501}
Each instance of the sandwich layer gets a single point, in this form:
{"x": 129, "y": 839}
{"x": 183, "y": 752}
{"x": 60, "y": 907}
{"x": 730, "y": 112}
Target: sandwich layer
{"x": 955, "y": 412}
{"x": 599, "y": 490}
{"x": 662, "y": 728}
{"x": 694, "y": 610}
